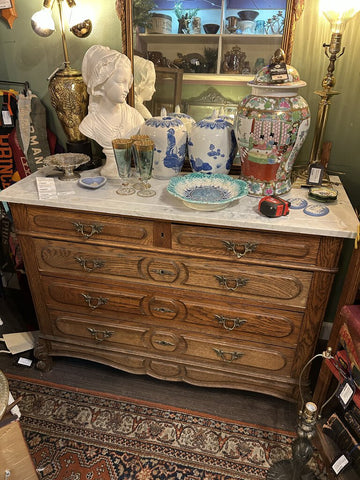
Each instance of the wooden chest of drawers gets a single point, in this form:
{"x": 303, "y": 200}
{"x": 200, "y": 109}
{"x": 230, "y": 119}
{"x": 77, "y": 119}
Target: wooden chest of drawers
{"x": 209, "y": 305}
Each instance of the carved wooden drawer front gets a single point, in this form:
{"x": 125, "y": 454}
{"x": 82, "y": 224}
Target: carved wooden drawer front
{"x": 239, "y": 355}
{"x": 276, "y": 285}
{"x": 100, "y": 334}
{"x": 90, "y": 227}
{"x": 280, "y": 327}
{"x": 245, "y": 245}
{"x": 150, "y": 341}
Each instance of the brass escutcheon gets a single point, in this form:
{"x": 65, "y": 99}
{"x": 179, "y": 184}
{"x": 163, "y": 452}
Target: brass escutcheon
{"x": 89, "y": 265}
{"x": 230, "y": 323}
{"x": 247, "y": 247}
{"x": 100, "y": 335}
{"x": 99, "y": 301}
{"x": 231, "y": 283}
{"x": 80, "y": 227}
{"x": 227, "y": 357}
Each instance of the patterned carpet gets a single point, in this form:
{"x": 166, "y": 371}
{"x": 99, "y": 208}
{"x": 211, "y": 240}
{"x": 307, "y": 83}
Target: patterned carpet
{"x": 80, "y": 435}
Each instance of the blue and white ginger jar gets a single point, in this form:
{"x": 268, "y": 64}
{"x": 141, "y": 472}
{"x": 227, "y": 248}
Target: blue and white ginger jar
{"x": 187, "y": 120}
{"x": 212, "y": 145}
{"x": 170, "y": 136}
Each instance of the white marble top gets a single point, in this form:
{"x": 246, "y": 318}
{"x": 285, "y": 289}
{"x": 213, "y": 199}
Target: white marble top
{"x": 341, "y": 221}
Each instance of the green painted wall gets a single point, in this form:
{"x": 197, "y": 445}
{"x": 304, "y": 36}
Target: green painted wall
{"x": 26, "y": 56}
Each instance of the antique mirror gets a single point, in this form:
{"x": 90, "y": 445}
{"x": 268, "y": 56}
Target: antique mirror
{"x": 291, "y": 14}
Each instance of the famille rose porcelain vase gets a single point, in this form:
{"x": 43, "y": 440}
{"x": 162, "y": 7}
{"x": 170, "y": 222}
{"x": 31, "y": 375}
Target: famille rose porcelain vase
{"x": 170, "y": 136}
{"x": 212, "y": 145}
{"x": 271, "y": 126}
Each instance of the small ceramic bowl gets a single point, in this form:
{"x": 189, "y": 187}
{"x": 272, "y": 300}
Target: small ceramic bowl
{"x": 248, "y": 14}
{"x": 211, "y": 28}
{"x": 92, "y": 182}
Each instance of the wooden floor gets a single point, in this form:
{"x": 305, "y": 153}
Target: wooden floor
{"x": 226, "y": 403}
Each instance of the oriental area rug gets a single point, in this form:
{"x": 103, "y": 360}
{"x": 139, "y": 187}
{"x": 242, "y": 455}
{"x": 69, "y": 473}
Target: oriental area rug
{"x": 75, "y": 434}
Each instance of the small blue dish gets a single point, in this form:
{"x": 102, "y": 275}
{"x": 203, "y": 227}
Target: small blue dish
{"x": 297, "y": 203}
{"x": 316, "y": 210}
{"x": 92, "y": 182}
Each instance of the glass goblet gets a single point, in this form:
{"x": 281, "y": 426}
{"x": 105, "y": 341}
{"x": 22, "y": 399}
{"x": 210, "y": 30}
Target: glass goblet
{"x": 145, "y": 156}
{"x": 138, "y": 184}
{"x": 122, "y": 152}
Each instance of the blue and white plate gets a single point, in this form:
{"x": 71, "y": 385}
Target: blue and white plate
{"x": 208, "y": 192}
{"x": 92, "y": 182}
{"x": 316, "y": 210}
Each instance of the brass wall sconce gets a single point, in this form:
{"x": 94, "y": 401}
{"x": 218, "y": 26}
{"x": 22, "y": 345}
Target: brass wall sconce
{"x": 67, "y": 90}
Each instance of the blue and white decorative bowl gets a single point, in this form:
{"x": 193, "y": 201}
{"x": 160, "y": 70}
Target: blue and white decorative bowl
{"x": 201, "y": 191}
{"x": 212, "y": 145}
{"x": 170, "y": 136}
{"x": 92, "y": 182}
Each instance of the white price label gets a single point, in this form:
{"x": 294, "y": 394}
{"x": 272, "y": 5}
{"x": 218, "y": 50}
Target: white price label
{"x": 46, "y": 188}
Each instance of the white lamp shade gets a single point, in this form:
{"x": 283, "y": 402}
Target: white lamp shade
{"x": 42, "y": 22}
{"x": 339, "y": 12}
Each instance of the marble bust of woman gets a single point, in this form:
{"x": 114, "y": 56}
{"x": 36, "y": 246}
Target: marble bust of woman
{"x": 144, "y": 84}
{"x": 108, "y": 77}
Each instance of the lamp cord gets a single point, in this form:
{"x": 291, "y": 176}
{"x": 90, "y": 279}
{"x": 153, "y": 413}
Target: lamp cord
{"x": 328, "y": 356}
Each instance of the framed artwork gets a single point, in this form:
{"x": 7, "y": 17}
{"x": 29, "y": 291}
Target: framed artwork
{"x": 8, "y": 11}
{"x": 5, "y": 4}
{"x": 210, "y": 100}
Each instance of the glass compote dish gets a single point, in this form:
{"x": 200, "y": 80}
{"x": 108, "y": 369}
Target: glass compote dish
{"x": 122, "y": 152}
{"x": 145, "y": 156}
{"x": 66, "y": 163}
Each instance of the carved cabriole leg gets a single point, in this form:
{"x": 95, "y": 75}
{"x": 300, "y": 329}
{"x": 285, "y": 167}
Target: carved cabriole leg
{"x": 44, "y": 361}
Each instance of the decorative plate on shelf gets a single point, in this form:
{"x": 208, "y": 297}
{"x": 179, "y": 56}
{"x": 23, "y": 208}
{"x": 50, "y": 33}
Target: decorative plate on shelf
{"x": 206, "y": 191}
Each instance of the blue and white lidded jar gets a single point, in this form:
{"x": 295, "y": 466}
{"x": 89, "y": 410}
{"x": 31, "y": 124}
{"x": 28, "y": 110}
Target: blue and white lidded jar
{"x": 170, "y": 136}
{"x": 187, "y": 120}
{"x": 212, "y": 145}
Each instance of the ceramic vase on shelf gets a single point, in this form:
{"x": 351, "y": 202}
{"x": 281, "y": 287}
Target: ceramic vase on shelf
{"x": 212, "y": 145}
{"x": 169, "y": 136}
{"x": 271, "y": 126}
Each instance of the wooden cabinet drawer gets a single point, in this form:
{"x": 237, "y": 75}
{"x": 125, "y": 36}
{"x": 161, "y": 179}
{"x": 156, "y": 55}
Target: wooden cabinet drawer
{"x": 174, "y": 344}
{"x": 278, "y": 286}
{"x": 89, "y": 227}
{"x": 245, "y": 245}
{"x": 146, "y": 306}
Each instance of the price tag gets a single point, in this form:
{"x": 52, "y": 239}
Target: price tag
{"x": 316, "y": 173}
{"x": 46, "y": 188}
{"x": 345, "y": 393}
{"x": 6, "y": 118}
{"x": 339, "y": 464}
{"x": 278, "y": 72}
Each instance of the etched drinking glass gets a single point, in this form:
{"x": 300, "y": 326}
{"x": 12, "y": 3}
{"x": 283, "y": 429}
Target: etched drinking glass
{"x": 122, "y": 152}
{"x": 145, "y": 157}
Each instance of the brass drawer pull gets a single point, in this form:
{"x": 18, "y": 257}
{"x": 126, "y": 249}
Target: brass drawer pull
{"x": 163, "y": 310}
{"x": 227, "y": 357}
{"x": 100, "y": 335}
{"x": 99, "y": 301}
{"x": 230, "y": 323}
{"x": 247, "y": 247}
{"x": 164, "y": 343}
{"x": 91, "y": 229}
{"x": 89, "y": 265}
{"x": 231, "y": 283}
